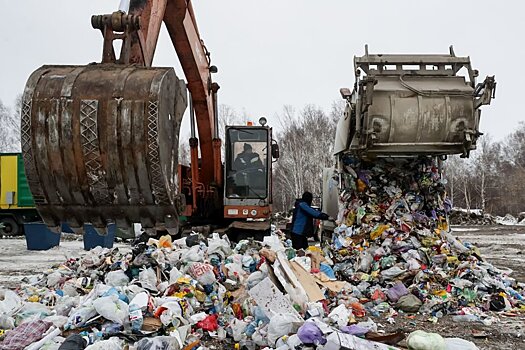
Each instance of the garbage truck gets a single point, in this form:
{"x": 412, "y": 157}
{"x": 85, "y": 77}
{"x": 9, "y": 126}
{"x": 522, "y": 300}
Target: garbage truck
{"x": 407, "y": 106}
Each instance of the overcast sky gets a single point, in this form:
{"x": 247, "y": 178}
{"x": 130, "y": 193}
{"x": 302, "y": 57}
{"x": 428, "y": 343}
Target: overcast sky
{"x": 287, "y": 52}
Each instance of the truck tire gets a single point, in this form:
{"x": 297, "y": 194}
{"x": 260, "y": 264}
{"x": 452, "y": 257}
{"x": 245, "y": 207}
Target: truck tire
{"x": 11, "y": 227}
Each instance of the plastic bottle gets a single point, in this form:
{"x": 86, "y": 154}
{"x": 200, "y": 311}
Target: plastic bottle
{"x": 135, "y": 317}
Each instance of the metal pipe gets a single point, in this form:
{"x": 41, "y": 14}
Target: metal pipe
{"x": 192, "y": 117}
{"x": 124, "y": 6}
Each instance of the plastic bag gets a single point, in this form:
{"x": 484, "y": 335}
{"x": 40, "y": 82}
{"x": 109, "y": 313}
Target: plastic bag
{"x": 409, "y": 303}
{"x": 112, "y": 308}
{"x": 254, "y": 279}
{"x": 459, "y": 344}
{"x": 112, "y": 343}
{"x": 328, "y": 271}
{"x": 32, "y": 311}
{"x": 148, "y": 279}
{"x": 65, "y": 304}
{"x": 80, "y": 316}
{"x": 220, "y": 246}
{"x": 7, "y": 322}
{"x": 309, "y": 333}
{"x": 58, "y": 321}
{"x": 260, "y": 337}
{"x": 203, "y": 273}
{"x": 165, "y": 242}
{"x": 281, "y": 324}
{"x": 209, "y": 323}
{"x": 419, "y": 340}
{"x": 10, "y": 302}
{"x": 158, "y": 343}
{"x": 340, "y": 315}
{"x": 365, "y": 261}
{"x": 354, "y": 330}
{"x": 74, "y": 342}
{"x": 193, "y": 254}
{"x": 396, "y": 292}
{"x": 116, "y": 278}
{"x": 53, "y": 279}
{"x": 175, "y": 274}
{"x": 392, "y": 272}
{"x": 238, "y": 328}
{"x": 235, "y": 271}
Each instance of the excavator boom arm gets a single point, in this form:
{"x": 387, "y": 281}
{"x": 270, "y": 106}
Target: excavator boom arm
{"x": 180, "y": 21}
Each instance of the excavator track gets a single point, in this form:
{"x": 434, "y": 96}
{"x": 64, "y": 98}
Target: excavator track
{"x": 100, "y": 144}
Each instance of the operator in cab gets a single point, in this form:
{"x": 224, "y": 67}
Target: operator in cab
{"x": 303, "y": 220}
{"x": 247, "y": 159}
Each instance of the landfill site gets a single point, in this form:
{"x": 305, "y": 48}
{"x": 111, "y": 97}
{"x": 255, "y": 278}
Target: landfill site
{"x": 120, "y": 232}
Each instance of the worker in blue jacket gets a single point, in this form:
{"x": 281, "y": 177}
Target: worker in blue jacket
{"x": 303, "y": 220}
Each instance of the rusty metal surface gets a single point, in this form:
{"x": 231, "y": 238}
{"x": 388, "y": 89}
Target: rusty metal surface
{"x": 401, "y": 120}
{"x": 100, "y": 144}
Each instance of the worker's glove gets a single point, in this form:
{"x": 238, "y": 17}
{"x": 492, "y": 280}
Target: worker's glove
{"x": 323, "y": 216}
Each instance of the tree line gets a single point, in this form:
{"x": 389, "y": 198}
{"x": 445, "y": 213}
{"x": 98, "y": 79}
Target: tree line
{"x": 492, "y": 179}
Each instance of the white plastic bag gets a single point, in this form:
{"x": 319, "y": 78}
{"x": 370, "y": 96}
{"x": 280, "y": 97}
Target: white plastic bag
{"x": 58, "y": 321}
{"x": 193, "y": 254}
{"x": 117, "y": 278}
{"x": 80, "y": 316}
{"x": 220, "y": 246}
{"x": 459, "y": 344}
{"x": 112, "y": 308}
{"x": 281, "y": 324}
{"x": 238, "y": 327}
{"x": 255, "y": 278}
{"x": 112, "y": 343}
{"x": 175, "y": 274}
{"x": 203, "y": 273}
{"x": 7, "y": 322}
{"x": 158, "y": 343}
{"x": 10, "y": 302}
{"x": 148, "y": 279}
{"x": 65, "y": 304}
{"x": 420, "y": 340}
{"x": 340, "y": 315}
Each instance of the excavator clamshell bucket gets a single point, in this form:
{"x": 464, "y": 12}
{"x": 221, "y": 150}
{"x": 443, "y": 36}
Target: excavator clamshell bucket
{"x": 100, "y": 144}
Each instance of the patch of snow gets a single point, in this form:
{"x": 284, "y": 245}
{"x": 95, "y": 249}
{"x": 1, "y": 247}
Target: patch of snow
{"x": 464, "y": 229}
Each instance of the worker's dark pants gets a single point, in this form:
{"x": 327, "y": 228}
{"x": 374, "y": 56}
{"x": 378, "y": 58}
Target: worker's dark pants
{"x": 299, "y": 241}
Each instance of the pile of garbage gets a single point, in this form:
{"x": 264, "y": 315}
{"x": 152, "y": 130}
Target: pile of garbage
{"x": 510, "y": 219}
{"x": 391, "y": 253}
{"x": 394, "y": 246}
{"x": 459, "y": 216}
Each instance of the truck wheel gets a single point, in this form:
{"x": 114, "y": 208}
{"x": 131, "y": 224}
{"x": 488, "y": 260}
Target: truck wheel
{"x": 11, "y": 228}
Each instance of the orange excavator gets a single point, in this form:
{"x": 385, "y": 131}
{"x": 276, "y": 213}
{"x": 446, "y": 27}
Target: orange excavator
{"x": 100, "y": 142}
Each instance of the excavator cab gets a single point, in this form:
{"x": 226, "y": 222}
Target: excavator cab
{"x": 248, "y": 168}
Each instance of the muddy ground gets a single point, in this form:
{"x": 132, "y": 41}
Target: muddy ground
{"x": 504, "y": 246}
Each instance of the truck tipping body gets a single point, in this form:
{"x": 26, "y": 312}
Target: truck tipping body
{"x": 409, "y": 105}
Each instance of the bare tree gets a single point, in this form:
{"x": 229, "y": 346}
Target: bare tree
{"x": 9, "y": 130}
{"x": 306, "y": 140}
